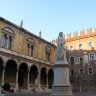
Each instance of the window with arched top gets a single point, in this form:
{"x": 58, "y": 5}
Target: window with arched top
{"x": 71, "y": 48}
{"x": 30, "y": 47}
{"x": 80, "y": 46}
{"x": 90, "y": 44}
{"x": 90, "y": 70}
{"x": 81, "y": 60}
{"x": 48, "y": 53}
{"x": 7, "y": 37}
{"x": 81, "y": 71}
{"x": 72, "y": 72}
{"x": 91, "y": 56}
{"x": 32, "y": 50}
{"x": 10, "y": 42}
{"x": 4, "y": 41}
{"x": 72, "y": 60}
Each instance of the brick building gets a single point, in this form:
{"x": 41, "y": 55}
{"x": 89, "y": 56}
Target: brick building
{"x": 81, "y": 54}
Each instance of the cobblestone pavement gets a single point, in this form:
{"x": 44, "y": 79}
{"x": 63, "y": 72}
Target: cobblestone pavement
{"x": 48, "y": 94}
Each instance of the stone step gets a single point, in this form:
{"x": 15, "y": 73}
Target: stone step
{"x": 29, "y": 94}
{"x": 49, "y": 94}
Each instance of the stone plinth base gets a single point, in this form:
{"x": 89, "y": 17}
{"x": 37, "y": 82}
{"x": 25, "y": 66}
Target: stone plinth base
{"x": 62, "y": 90}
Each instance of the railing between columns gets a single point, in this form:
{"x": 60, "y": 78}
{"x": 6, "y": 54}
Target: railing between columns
{"x": 43, "y": 85}
{"x": 33, "y": 85}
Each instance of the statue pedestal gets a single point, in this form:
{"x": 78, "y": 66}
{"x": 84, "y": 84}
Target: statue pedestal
{"x": 61, "y": 86}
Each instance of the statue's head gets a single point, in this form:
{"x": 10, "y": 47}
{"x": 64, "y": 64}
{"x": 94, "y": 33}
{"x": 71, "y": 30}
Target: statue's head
{"x": 61, "y": 34}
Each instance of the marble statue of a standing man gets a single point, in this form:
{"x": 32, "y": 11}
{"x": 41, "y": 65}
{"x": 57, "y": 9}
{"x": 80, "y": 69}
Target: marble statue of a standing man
{"x": 60, "y": 47}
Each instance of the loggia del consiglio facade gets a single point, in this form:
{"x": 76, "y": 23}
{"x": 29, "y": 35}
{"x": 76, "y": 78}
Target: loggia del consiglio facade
{"x": 25, "y": 59}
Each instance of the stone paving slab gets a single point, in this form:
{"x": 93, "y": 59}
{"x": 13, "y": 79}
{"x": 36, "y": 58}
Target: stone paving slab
{"x": 48, "y": 94}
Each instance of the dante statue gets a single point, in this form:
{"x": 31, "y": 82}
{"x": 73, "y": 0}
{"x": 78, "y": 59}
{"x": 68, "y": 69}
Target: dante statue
{"x": 60, "y": 47}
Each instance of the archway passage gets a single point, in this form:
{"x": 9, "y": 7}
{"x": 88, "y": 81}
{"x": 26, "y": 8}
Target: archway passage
{"x": 50, "y": 78}
{"x": 1, "y": 69}
{"x": 23, "y": 76}
{"x": 43, "y": 76}
{"x": 10, "y": 71}
{"x": 72, "y": 60}
{"x": 33, "y": 75}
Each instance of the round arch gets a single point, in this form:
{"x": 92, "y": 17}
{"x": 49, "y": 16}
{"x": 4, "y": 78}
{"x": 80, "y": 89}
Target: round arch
{"x": 72, "y": 60}
{"x": 23, "y": 75}
{"x": 50, "y": 78}
{"x": 92, "y": 56}
{"x": 33, "y": 74}
{"x": 43, "y": 76}
{"x": 10, "y": 71}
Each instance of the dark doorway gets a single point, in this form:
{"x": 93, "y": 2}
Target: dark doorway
{"x": 50, "y": 78}
{"x": 23, "y": 76}
{"x": 33, "y": 75}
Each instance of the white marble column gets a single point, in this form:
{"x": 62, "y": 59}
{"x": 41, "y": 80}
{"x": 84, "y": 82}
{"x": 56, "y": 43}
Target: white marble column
{"x": 3, "y": 73}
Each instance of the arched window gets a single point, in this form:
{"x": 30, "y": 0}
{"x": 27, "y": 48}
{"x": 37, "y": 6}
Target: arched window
{"x": 72, "y": 60}
{"x": 81, "y": 71}
{"x": 90, "y": 44}
{"x": 10, "y": 42}
{"x": 48, "y": 53}
{"x": 71, "y": 48}
{"x": 32, "y": 50}
{"x": 72, "y": 72}
{"x": 30, "y": 46}
{"x": 80, "y": 46}
{"x": 81, "y": 60}
{"x": 90, "y": 71}
{"x": 28, "y": 49}
{"x": 91, "y": 56}
{"x": 7, "y": 37}
{"x": 4, "y": 41}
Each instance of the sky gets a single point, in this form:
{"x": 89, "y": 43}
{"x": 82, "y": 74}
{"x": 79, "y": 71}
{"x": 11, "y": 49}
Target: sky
{"x": 50, "y": 16}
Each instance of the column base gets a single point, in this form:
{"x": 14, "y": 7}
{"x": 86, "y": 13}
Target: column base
{"x": 2, "y": 83}
{"x": 16, "y": 87}
{"x": 62, "y": 90}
